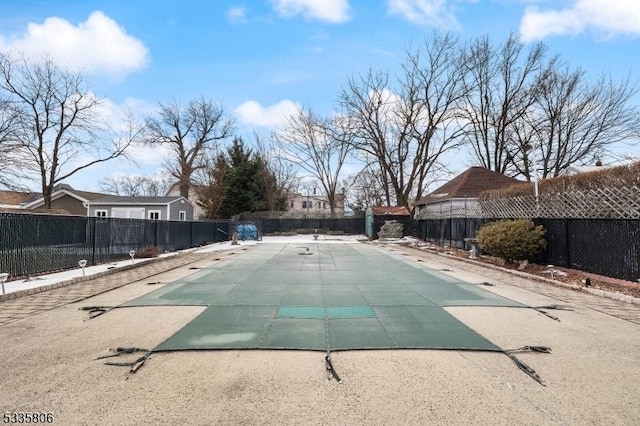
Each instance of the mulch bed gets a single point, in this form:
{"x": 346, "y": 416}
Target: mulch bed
{"x": 571, "y": 276}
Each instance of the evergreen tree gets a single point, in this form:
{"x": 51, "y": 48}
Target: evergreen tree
{"x": 248, "y": 184}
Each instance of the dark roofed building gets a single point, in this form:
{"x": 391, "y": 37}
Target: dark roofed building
{"x": 459, "y": 196}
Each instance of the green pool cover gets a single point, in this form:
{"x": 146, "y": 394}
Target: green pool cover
{"x": 331, "y": 297}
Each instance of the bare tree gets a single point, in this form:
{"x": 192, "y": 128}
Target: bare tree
{"x": 279, "y": 174}
{"x": 210, "y": 180}
{"x": 319, "y": 146}
{"x": 501, "y": 85}
{"x": 364, "y": 189}
{"x": 189, "y": 132}
{"x": 58, "y": 128}
{"x": 574, "y": 121}
{"x": 12, "y": 161}
{"x": 135, "y": 185}
{"x": 407, "y": 129}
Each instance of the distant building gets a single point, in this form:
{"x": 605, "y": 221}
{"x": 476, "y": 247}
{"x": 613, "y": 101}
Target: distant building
{"x": 300, "y": 205}
{"x": 574, "y": 170}
{"x": 193, "y": 197}
{"x": 154, "y": 208}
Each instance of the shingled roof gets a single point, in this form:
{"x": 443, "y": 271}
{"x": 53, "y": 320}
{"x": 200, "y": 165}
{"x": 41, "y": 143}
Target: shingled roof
{"x": 120, "y": 199}
{"x": 469, "y": 184}
{"x": 14, "y": 197}
{"x": 391, "y": 211}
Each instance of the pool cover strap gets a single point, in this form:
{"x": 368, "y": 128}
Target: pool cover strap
{"x": 96, "y": 311}
{"x": 524, "y": 367}
{"x": 330, "y": 370}
{"x": 134, "y": 365}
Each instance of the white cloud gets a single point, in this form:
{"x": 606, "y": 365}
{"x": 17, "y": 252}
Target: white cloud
{"x": 332, "y": 11}
{"x": 434, "y": 13}
{"x": 602, "y": 16}
{"x": 236, "y": 14}
{"x": 97, "y": 46}
{"x": 252, "y": 113}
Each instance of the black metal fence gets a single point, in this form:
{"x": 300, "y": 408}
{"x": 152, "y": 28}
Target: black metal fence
{"x": 608, "y": 247}
{"x": 352, "y": 226}
{"x": 448, "y": 232}
{"x": 31, "y": 244}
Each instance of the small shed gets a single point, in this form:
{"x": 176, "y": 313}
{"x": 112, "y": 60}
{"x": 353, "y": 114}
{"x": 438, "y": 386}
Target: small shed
{"x": 155, "y": 208}
{"x": 376, "y": 216}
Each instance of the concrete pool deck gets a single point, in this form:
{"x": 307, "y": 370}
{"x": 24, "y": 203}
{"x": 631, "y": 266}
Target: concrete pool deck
{"x": 592, "y": 374}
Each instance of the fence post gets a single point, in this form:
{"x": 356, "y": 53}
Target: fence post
{"x": 155, "y": 234}
{"x": 94, "y": 224}
{"x": 567, "y": 242}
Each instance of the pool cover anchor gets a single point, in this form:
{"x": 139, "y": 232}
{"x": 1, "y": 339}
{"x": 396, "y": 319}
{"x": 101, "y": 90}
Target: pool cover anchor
{"x": 134, "y": 365}
{"x": 96, "y": 311}
{"x": 331, "y": 372}
{"x": 523, "y": 366}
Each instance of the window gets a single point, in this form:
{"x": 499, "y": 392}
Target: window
{"x": 153, "y": 214}
{"x": 182, "y": 215}
{"x": 291, "y": 203}
{"x": 304, "y": 204}
{"x": 310, "y": 204}
{"x": 101, "y": 213}
{"x": 324, "y": 205}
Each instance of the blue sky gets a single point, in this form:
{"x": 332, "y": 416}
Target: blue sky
{"x": 261, "y": 58}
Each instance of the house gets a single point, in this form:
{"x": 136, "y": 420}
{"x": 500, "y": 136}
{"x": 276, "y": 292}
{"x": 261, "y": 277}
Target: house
{"x": 311, "y": 205}
{"x": 459, "y": 196}
{"x": 63, "y": 198}
{"x": 574, "y": 170}
{"x": 193, "y": 197}
{"x": 155, "y": 208}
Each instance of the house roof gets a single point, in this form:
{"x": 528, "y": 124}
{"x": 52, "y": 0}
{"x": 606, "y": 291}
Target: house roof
{"x": 119, "y": 199}
{"x": 36, "y": 200}
{"x": 469, "y": 184}
{"x": 393, "y": 210}
{"x": 574, "y": 170}
{"x": 40, "y": 211}
{"x": 14, "y": 197}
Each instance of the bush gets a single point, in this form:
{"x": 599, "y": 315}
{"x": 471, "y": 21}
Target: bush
{"x": 148, "y": 252}
{"x": 512, "y": 240}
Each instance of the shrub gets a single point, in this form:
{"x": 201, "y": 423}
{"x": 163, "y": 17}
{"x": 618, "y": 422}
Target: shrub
{"x": 512, "y": 240}
{"x": 148, "y": 252}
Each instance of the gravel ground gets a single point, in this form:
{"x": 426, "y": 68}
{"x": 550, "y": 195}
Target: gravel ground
{"x": 592, "y": 375}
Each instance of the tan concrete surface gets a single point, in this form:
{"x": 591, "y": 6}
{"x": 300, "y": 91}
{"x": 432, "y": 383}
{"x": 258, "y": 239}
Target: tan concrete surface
{"x": 592, "y": 374}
